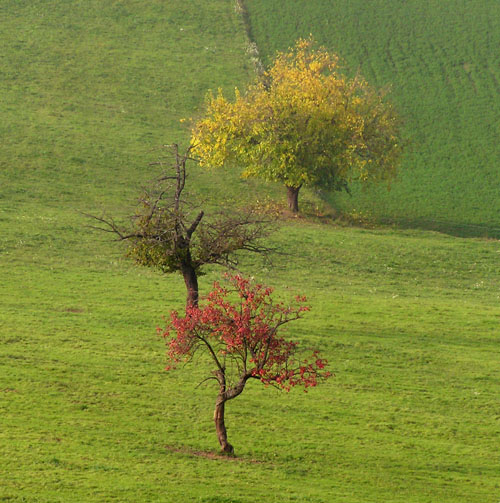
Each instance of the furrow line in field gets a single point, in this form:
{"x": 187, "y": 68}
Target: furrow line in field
{"x": 252, "y": 48}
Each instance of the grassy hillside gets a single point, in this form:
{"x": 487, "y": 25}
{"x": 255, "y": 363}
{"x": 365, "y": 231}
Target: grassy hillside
{"x": 442, "y": 61}
{"x": 89, "y": 87}
{"x": 408, "y": 319}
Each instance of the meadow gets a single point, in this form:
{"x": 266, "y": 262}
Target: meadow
{"x": 442, "y": 64}
{"x": 407, "y": 318}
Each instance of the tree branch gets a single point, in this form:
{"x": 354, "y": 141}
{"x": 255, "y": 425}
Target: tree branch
{"x": 195, "y": 224}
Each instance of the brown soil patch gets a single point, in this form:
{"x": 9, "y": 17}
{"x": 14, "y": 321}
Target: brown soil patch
{"x": 210, "y": 455}
{"x": 74, "y": 310}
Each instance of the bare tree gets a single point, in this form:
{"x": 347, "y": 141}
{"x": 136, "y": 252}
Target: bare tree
{"x": 172, "y": 234}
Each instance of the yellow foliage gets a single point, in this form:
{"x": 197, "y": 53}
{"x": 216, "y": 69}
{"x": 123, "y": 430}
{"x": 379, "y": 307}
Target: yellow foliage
{"x": 302, "y": 122}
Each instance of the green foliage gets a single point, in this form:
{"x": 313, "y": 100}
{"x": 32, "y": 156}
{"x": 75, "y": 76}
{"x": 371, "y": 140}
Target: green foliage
{"x": 442, "y": 62}
{"x": 156, "y": 255}
{"x": 170, "y": 233}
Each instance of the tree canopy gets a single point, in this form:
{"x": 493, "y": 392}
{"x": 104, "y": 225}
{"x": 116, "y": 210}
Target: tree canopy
{"x": 303, "y": 122}
{"x": 240, "y": 328}
{"x": 171, "y": 233}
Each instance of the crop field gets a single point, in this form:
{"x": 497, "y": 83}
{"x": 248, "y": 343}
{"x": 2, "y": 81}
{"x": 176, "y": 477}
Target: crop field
{"x": 442, "y": 62}
{"x": 408, "y": 318}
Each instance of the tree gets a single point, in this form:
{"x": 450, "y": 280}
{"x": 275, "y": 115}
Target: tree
{"x": 173, "y": 235}
{"x": 242, "y": 339}
{"x": 303, "y": 123}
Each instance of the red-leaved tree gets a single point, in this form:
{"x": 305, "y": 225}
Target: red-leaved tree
{"x": 239, "y": 328}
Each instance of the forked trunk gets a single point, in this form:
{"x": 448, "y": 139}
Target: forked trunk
{"x": 220, "y": 426}
{"x": 293, "y": 198}
{"x": 191, "y": 280}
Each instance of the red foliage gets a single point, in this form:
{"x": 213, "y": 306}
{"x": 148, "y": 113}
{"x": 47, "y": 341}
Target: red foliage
{"x": 239, "y": 328}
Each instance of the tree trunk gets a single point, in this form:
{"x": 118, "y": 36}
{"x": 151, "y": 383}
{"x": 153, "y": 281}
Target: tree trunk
{"x": 223, "y": 396}
{"x": 220, "y": 426}
{"x": 293, "y": 198}
{"x": 191, "y": 280}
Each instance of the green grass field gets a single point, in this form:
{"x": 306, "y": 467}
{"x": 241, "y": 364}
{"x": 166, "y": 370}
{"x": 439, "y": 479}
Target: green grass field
{"x": 442, "y": 62}
{"x": 408, "y": 318}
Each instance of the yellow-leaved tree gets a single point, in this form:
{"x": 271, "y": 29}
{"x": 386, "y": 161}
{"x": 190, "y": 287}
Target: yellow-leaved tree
{"x": 302, "y": 122}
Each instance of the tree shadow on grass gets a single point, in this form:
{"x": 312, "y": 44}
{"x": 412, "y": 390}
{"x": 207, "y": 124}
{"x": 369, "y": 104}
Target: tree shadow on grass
{"x": 327, "y": 213}
{"x": 455, "y": 229}
{"x": 355, "y": 218}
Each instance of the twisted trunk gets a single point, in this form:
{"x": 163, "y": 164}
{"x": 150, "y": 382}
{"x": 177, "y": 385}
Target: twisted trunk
{"x": 223, "y": 396}
{"x": 220, "y": 426}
